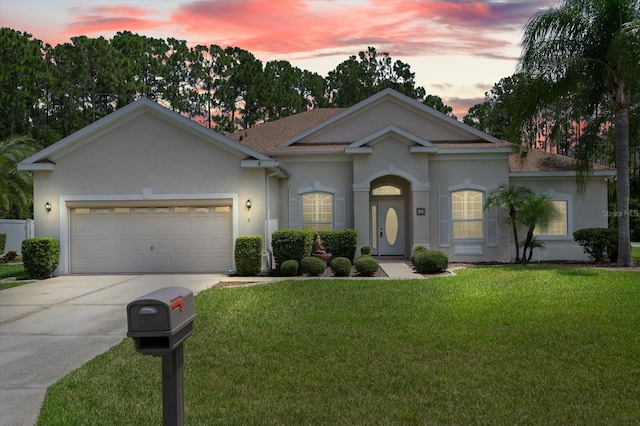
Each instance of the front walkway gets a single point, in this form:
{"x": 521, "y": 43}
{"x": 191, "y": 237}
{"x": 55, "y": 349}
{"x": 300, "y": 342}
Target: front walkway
{"x": 398, "y": 269}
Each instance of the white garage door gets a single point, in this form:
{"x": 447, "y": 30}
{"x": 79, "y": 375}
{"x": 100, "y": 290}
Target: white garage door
{"x": 150, "y": 240}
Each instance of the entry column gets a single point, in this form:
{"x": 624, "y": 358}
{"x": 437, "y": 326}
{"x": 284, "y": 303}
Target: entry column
{"x": 420, "y": 214}
{"x": 361, "y": 214}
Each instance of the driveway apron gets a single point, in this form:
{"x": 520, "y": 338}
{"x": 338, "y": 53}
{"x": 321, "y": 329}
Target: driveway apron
{"x": 49, "y": 328}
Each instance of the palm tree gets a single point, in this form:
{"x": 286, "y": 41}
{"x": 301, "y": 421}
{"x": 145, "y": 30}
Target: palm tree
{"x": 510, "y": 198}
{"x": 589, "y": 50}
{"x": 536, "y": 210}
{"x": 16, "y": 187}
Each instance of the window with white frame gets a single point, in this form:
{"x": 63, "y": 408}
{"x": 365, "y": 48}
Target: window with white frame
{"x": 317, "y": 211}
{"x": 466, "y": 214}
{"x": 558, "y": 225}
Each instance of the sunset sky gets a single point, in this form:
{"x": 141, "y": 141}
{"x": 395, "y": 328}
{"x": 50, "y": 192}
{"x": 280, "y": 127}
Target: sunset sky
{"x": 458, "y": 49}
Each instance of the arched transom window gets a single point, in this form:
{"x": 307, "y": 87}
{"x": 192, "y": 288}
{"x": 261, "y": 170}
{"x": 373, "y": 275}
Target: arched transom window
{"x": 386, "y": 190}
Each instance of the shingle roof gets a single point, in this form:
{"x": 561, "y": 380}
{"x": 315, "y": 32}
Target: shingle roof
{"x": 265, "y": 137}
{"x": 541, "y": 161}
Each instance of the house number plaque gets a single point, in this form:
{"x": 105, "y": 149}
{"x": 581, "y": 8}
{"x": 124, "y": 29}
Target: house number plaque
{"x": 420, "y": 211}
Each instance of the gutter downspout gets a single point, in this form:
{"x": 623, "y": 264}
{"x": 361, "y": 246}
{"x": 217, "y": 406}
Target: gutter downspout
{"x": 267, "y": 247}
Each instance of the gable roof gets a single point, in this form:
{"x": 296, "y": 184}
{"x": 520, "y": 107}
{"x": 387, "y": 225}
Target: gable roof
{"x": 286, "y": 135}
{"x": 392, "y": 95}
{"x": 416, "y": 143}
{"x": 46, "y": 158}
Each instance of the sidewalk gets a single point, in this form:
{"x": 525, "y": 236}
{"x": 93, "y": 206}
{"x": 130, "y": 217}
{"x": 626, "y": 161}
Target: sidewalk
{"x": 398, "y": 269}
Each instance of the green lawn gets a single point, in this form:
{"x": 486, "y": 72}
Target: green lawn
{"x": 635, "y": 254}
{"x": 11, "y": 270}
{"x": 494, "y": 345}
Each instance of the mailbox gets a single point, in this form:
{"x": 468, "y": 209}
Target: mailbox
{"x": 160, "y": 321}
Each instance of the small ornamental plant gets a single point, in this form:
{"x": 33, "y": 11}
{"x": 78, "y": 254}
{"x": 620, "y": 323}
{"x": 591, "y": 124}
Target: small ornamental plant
{"x": 430, "y": 262}
{"x": 366, "y": 266}
{"x": 341, "y": 266}
{"x": 289, "y": 268}
{"x": 312, "y": 266}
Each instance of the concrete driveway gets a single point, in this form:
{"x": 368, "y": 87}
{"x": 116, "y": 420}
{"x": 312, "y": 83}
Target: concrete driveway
{"x": 50, "y": 328}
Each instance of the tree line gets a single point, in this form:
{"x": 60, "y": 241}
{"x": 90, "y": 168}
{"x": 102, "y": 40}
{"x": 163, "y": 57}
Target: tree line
{"x": 50, "y": 92}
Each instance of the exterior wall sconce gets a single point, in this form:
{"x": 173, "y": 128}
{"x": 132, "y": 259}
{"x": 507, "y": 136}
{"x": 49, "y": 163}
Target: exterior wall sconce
{"x": 47, "y": 207}
{"x": 248, "y": 204}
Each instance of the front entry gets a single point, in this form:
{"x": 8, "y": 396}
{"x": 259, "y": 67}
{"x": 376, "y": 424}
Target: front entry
{"x": 387, "y": 227}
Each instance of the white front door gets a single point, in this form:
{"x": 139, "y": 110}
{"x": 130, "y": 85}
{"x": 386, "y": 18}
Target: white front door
{"x": 390, "y": 233}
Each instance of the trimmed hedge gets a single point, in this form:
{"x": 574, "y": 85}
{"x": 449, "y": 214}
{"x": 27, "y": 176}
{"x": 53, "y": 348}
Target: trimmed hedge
{"x": 366, "y": 265}
{"x": 598, "y": 243}
{"x": 365, "y": 250}
{"x": 341, "y": 267}
{"x": 40, "y": 256}
{"x": 291, "y": 245}
{"x": 3, "y": 241}
{"x": 248, "y": 254}
{"x": 289, "y": 268}
{"x": 340, "y": 243}
{"x": 430, "y": 262}
{"x": 312, "y": 266}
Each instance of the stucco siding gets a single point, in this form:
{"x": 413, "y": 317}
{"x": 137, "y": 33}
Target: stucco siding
{"x": 148, "y": 158}
{"x": 328, "y": 172}
{"x": 480, "y": 172}
{"x": 368, "y": 120}
{"x": 588, "y": 210}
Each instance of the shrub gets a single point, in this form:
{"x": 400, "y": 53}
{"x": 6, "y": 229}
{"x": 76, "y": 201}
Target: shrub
{"x": 430, "y": 262}
{"x": 3, "y": 241}
{"x": 417, "y": 250}
{"x": 40, "y": 256}
{"x": 289, "y": 268}
{"x": 341, "y": 243}
{"x": 291, "y": 245}
{"x": 312, "y": 266}
{"x": 248, "y": 254}
{"x": 365, "y": 250}
{"x": 341, "y": 266}
{"x": 10, "y": 256}
{"x": 366, "y": 265}
{"x": 598, "y": 242}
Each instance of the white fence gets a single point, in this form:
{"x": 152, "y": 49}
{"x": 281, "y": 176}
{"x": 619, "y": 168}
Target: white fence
{"x": 16, "y": 230}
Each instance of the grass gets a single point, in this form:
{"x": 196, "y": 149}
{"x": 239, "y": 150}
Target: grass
{"x": 494, "y": 345}
{"x": 635, "y": 254}
{"x": 11, "y": 270}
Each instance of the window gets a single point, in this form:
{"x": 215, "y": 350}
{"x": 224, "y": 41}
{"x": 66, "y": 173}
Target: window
{"x": 386, "y": 190}
{"x": 466, "y": 214}
{"x": 317, "y": 211}
{"x": 557, "y": 226}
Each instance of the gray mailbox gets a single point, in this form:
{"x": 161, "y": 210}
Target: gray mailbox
{"x": 160, "y": 321}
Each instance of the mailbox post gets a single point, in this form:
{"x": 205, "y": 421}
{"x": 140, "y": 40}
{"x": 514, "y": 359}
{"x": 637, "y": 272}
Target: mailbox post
{"x": 159, "y": 323}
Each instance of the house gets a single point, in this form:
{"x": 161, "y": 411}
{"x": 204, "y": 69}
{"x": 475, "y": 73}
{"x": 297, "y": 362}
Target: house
{"x": 147, "y": 190}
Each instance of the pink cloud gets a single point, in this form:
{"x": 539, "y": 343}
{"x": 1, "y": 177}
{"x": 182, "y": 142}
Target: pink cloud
{"x": 400, "y": 27}
{"x": 113, "y": 18}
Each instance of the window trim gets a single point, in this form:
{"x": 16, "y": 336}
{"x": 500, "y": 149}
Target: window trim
{"x": 333, "y": 210}
{"x": 568, "y": 198}
{"x": 482, "y": 220}
{"x": 339, "y": 205}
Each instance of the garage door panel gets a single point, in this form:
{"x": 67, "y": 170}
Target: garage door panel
{"x": 120, "y": 240}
